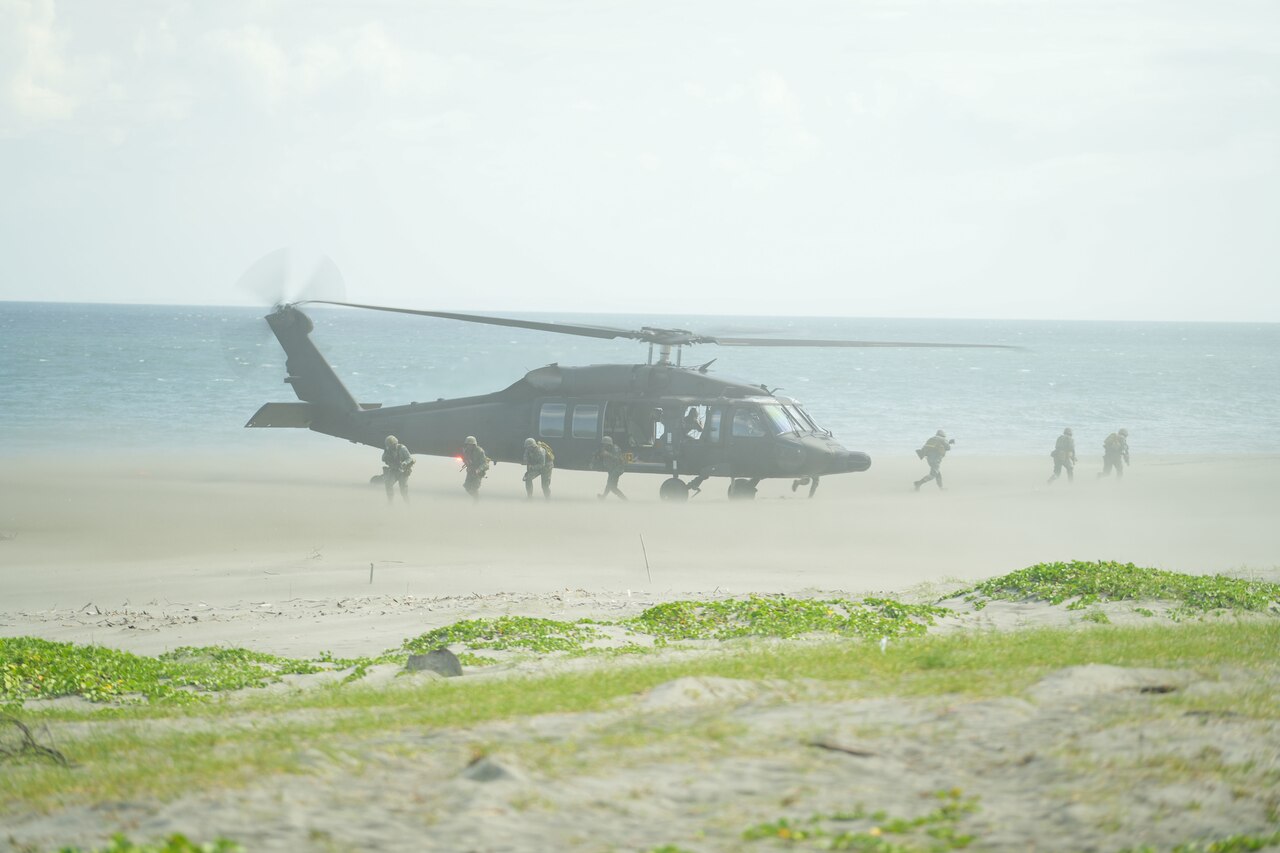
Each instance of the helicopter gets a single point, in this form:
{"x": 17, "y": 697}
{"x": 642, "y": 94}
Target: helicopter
{"x": 679, "y": 422}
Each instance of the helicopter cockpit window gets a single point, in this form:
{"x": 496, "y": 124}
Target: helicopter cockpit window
{"x": 782, "y": 422}
{"x": 798, "y": 423}
{"x": 748, "y": 423}
{"x": 805, "y": 419}
{"x": 551, "y": 420}
{"x": 586, "y": 421}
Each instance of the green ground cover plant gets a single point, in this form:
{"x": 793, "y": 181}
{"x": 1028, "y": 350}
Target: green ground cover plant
{"x": 1083, "y": 584}
{"x": 172, "y": 844}
{"x": 39, "y": 669}
{"x": 932, "y": 832}
{"x": 259, "y": 734}
{"x": 783, "y": 617}
{"x": 32, "y": 668}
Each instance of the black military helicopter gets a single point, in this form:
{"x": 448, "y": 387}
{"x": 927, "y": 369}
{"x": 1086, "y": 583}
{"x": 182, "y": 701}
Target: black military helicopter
{"x": 680, "y": 422}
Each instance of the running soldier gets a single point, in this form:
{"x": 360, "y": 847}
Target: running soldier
{"x": 1064, "y": 457}
{"x": 609, "y": 458}
{"x": 397, "y": 464}
{"x": 933, "y": 451}
{"x": 810, "y": 481}
{"x": 538, "y": 462}
{"x": 477, "y": 465}
{"x": 1115, "y": 453}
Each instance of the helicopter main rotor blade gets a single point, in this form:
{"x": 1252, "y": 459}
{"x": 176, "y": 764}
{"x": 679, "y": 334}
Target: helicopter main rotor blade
{"x": 663, "y": 337}
{"x": 815, "y": 342}
{"x": 561, "y": 328}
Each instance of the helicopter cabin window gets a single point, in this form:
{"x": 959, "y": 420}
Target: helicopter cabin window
{"x": 693, "y": 421}
{"x": 631, "y": 425}
{"x": 551, "y": 420}
{"x": 711, "y": 426}
{"x": 748, "y": 423}
{"x": 586, "y": 421}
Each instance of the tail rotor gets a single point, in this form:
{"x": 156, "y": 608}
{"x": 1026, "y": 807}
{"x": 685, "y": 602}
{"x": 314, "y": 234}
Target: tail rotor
{"x": 285, "y": 276}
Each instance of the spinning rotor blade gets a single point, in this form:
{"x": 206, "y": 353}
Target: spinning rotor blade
{"x": 662, "y": 337}
{"x": 815, "y": 342}
{"x": 277, "y": 278}
{"x": 266, "y": 279}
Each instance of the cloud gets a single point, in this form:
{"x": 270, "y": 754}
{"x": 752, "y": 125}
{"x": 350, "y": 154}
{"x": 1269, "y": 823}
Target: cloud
{"x": 273, "y": 74}
{"x": 37, "y": 84}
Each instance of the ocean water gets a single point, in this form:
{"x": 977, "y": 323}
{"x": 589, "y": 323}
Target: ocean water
{"x": 80, "y": 377}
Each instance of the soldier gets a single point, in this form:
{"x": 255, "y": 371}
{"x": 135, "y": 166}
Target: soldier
{"x": 537, "y": 463}
{"x": 810, "y": 481}
{"x": 1115, "y": 453}
{"x": 609, "y": 458}
{"x": 691, "y": 424}
{"x": 397, "y": 464}
{"x": 477, "y": 465}
{"x": 1064, "y": 456}
{"x": 933, "y": 451}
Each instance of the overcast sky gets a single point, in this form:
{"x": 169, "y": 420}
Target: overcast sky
{"x": 1117, "y": 159}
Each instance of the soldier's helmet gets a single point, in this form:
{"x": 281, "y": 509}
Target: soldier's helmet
{"x": 607, "y": 440}
{"x": 1124, "y": 432}
{"x": 941, "y": 434}
{"x": 471, "y": 439}
{"x": 392, "y": 441}
{"x": 1067, "y": 431}
{"x": 529, "y": 442}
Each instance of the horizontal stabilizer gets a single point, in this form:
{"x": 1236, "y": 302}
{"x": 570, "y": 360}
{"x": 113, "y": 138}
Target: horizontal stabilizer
{"x": 296, "y": 415}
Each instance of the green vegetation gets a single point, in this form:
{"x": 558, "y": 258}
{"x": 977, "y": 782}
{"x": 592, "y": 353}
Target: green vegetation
{"x": 149, "y": 738}
{"x": 1231, "y": 844}
{"x": 929, "y": 833}
{"x": 508, "y": 632}
{"x": 779, "y": 616}
{"x": 39, "y": 669}
{"x": 1087, "y": 583}
{"x": 173, "y": 844}
{"x": 121, "y": 755}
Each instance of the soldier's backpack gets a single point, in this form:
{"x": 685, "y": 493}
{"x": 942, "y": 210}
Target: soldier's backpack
{"x": 551, "y": 456}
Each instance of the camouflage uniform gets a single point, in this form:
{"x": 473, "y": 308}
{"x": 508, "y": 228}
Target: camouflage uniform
{"x": 609, "y": 458}
{"x": 1115, "y": 453}
{"x": 397, "y": 464}
{"x": 1064, "y": 456}
{"x": 691, "y": 424}
{"x": 477, "y": 465}
{"x": 933, "y": 451}
{"x": 536, "y": 464}
{"x": 810, "y": 481}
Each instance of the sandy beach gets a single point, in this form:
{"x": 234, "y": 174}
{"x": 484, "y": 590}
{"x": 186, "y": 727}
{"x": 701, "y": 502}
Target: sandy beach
{"x": 274, "y": 552}
{"x": 296, "y": 554}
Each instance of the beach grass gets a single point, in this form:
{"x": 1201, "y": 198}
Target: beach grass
{"x": 163, "y": 750}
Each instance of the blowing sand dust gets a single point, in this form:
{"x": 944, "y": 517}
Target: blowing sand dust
{"x": 296, "y": 554}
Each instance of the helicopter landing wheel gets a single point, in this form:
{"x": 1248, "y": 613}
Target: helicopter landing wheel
{"x": 741, "y": 490}
{"x": 674, "y": 489}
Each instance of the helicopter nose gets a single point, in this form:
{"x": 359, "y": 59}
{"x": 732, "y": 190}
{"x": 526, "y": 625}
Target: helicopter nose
{"x": 849, "y": 461}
